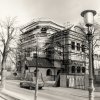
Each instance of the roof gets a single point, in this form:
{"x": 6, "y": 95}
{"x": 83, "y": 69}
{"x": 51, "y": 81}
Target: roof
{"x": 33, "y": 24}
{"x": 41, "y": 63}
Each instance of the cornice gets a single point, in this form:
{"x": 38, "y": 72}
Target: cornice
{"x": 49, "y": 24}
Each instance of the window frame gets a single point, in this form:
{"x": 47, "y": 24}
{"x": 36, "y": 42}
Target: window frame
{"x": 78, "y": 46}
{"x": 72, "y": 45}
{"x": 83, "y": 47}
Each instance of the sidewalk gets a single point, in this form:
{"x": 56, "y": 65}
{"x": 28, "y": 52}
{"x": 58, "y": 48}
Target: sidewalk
{"x": 5, "y": 96}
{"x": 14, "y": 95}
{"x": 49, "y": 93}
{"x": 17, "y": 96}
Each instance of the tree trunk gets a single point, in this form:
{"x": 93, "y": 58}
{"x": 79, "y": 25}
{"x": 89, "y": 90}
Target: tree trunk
{"x": 3, "y": 75}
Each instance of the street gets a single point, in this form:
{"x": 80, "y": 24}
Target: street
{"x": 47, "y": 93}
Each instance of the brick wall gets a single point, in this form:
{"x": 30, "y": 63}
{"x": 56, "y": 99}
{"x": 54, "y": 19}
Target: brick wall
{"x": 42, "y": 74}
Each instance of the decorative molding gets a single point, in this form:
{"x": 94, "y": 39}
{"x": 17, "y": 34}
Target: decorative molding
{"x": 50, "y": 24}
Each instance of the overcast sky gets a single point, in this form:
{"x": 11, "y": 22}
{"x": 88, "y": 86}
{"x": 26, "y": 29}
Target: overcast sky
{"x": 59, "y": 11}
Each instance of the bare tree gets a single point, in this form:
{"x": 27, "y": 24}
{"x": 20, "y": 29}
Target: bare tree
{"x": 8, "y": 39}
{"x": 95, "y": 30}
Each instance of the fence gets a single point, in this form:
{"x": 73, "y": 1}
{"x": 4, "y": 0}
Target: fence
{"x": 72, "y": 81}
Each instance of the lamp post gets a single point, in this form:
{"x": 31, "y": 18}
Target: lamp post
{"x": 89, "y": 20}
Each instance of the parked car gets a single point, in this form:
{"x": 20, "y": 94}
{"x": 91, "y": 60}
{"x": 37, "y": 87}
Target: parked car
{"x": 30, "y": 84}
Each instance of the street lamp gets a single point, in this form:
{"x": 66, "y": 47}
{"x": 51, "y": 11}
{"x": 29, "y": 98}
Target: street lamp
{"x": 88, "y": 17}
{"x": 89, "y": 20}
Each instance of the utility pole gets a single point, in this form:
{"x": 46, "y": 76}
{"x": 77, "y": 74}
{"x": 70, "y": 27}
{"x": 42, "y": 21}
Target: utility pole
{"x": 36, "y": 86}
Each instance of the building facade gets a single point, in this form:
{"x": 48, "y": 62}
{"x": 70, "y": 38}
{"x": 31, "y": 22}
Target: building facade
{"x": 32, "y": 43}
{"x": 70, "y": 54}
{"x": 62, "y": 54}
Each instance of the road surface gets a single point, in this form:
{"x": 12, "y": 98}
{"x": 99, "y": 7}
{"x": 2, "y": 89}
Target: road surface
{"x": 47, "y": 93}
{"x": 6, "y": 97}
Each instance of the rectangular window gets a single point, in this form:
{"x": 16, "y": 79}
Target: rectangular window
{"x": 28, "y": 54}
{"x": 73, "y": 45}
{"x": 83, "y": 48}
{"x": 28, "y": 50}
{"x": 78, "y": 46}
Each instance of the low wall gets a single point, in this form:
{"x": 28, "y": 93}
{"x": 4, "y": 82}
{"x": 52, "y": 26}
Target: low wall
{"x": 73, "y": 81}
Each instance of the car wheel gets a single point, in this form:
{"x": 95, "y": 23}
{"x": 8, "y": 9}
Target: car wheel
{"x": 40, "y": 87}
{"x": 30, "y": 88}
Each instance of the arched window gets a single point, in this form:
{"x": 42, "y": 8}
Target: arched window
{"x": 49, "y": 72}
{"x": 78, "y": 69}
{"x": 73, "y": 69}
{"x": 83, "y": 69}
{"x": 58, "y": 72}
